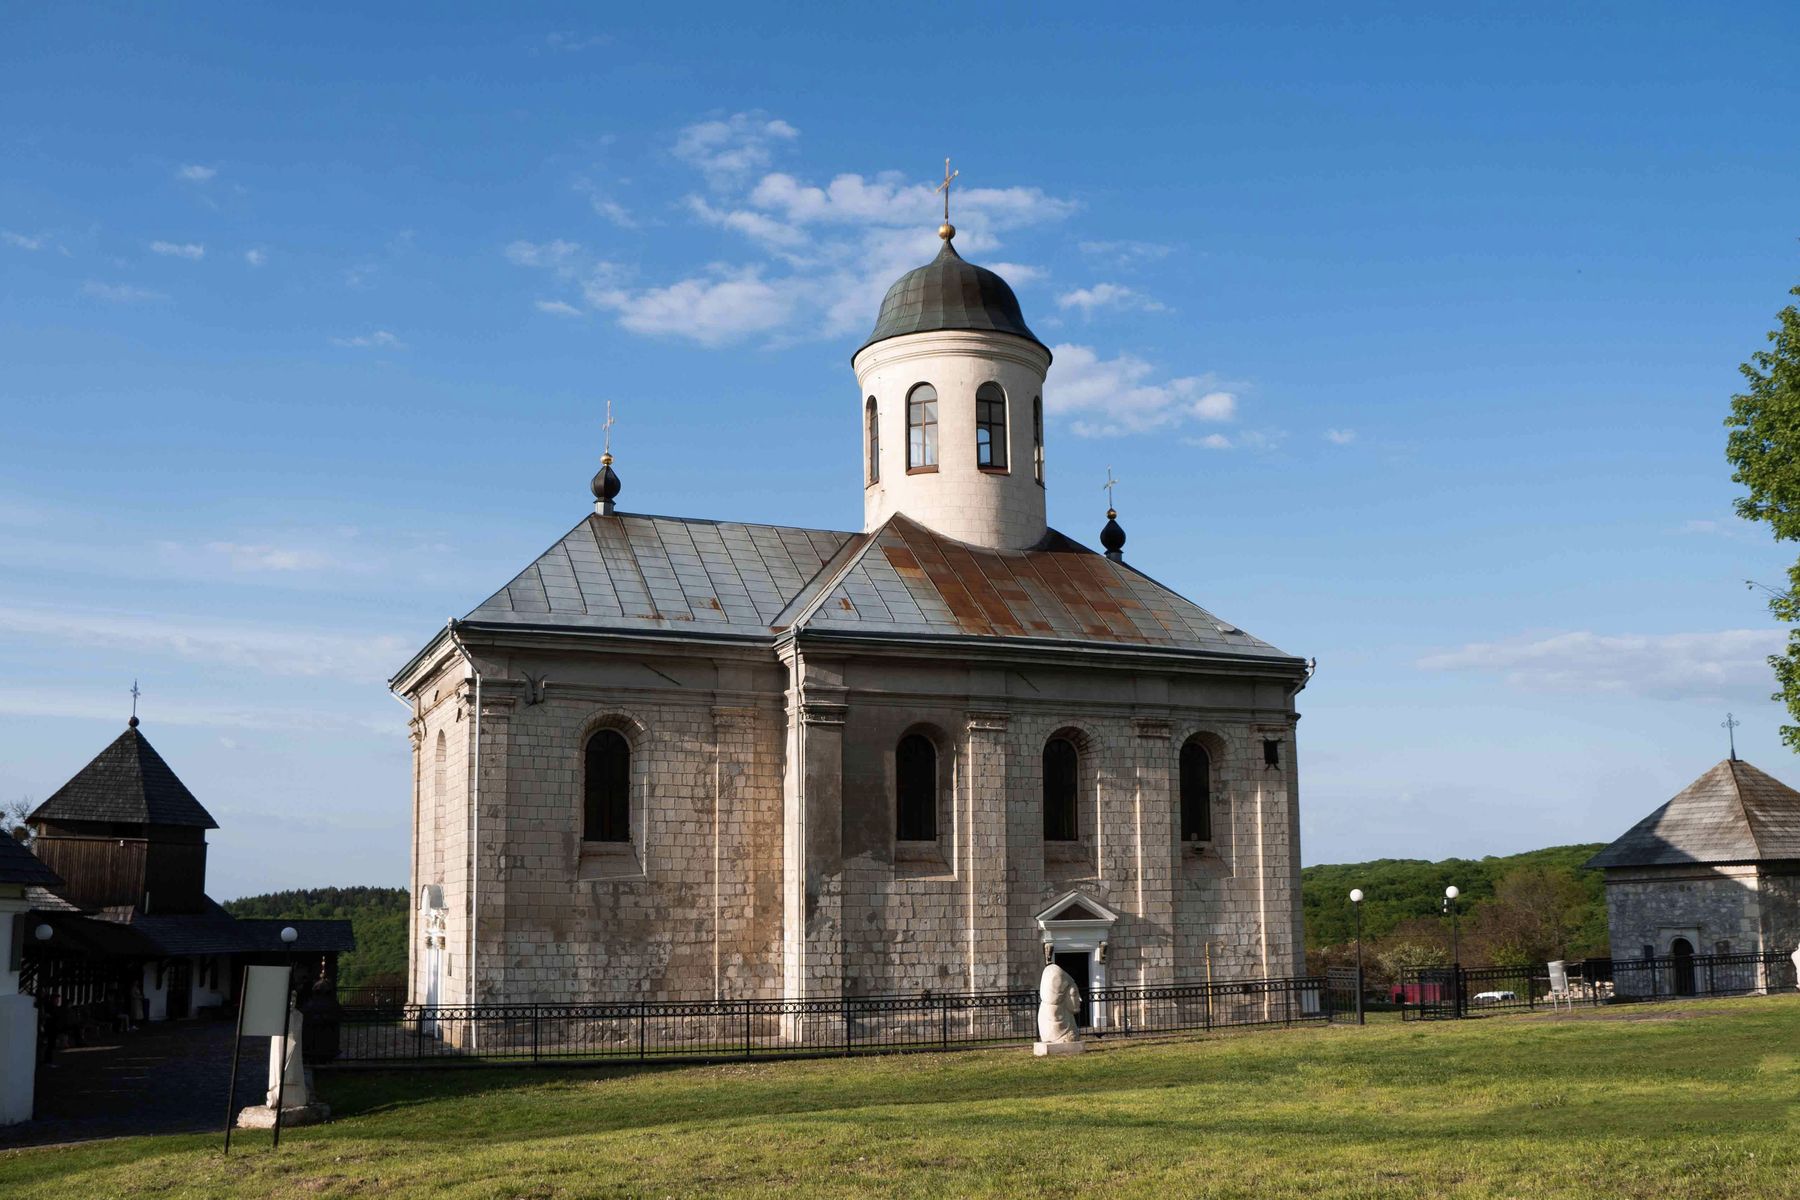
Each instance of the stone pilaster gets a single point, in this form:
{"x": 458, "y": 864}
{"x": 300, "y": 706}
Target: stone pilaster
{"x": 493, "y": 773}
{"x": 981, "y": 848}
{"x": 1156, "y": 873}
{"x": 738, "y": 858}
{"x": 813, "y": 841}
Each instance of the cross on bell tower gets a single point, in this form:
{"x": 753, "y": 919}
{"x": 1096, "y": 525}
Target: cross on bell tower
{"x": 947, "y": 230}
{"x": 1730, "y": 726}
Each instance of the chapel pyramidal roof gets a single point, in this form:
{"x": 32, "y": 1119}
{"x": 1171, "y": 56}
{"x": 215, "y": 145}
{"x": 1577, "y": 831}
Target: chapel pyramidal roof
{"x": 673, "y": 575}
{"x": 128, "y": 782}
{"x": 1734, "y": 813}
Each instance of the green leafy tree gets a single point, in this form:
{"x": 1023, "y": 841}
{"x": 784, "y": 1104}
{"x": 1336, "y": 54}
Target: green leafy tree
{"x": 1764, "y": 449}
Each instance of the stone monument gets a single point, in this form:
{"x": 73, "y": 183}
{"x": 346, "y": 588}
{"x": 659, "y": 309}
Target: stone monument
{"x": 1058, "y": 1001}
{"x": 1796, "y": 957}
{"x": 288, "y": 1084}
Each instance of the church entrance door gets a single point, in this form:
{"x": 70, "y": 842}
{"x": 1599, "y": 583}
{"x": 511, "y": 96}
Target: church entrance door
{"x": 1076, "y": 964}
{"x": 181, "y": 989}
{"x": 1682, "y": 951}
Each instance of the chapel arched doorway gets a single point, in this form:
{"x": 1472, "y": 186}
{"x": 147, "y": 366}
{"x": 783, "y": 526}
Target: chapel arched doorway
{"x": 1682, "y": 952}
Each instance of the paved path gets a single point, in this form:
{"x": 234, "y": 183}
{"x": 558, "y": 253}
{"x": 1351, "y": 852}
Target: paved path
{"x": 169, "y": 1077}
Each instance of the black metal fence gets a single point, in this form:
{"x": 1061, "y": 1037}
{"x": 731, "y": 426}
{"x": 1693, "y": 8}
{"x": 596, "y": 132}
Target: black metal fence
{"x": 1448, "y": 993}
{"x": 520, "y": 1034}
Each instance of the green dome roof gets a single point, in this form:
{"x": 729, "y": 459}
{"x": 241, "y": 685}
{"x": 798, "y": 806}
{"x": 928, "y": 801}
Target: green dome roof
{"x": 949, "y": 293}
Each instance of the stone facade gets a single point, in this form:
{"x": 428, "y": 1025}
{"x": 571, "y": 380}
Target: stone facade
{"x": 763, "y": 859}
{"x": 1745, "y": 908}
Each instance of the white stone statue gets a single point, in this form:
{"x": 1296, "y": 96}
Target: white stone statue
{"x": 284, "y": 1058}
{"x": 1058, "y": 1000}
{"x": 1796, "y": 957}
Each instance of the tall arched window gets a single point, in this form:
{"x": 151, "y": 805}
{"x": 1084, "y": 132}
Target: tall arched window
{"x": 915, "y": 788}
{"x": 1037, "y": 436}
{"x": 990, "y": 426}
{"x": 921, "y": 428}
{"x": 1062, "y": 770}
{"x": 1196, "y": 792}
{"x": 873, "y": 427}
{"x": 607, "y": 809}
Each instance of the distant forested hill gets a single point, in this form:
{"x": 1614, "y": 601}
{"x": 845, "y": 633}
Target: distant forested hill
{"x": 1525, "y": 906}
{"x": 378, "y": 915}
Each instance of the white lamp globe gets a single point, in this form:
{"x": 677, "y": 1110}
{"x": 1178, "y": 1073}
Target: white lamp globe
{"x": 1356, "y": 895}
{"x": 289, "y": 934}
{"x": 43, "y": 933}
{"x": 1451, "y": 893}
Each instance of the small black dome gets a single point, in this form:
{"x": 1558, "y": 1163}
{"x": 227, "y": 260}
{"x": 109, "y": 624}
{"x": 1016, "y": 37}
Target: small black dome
{"x": 606, "y": 483}
{"x": 949, "y": 293}
{"x": 1112, "y": 535}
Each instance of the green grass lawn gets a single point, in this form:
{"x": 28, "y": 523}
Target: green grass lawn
{"x": 1698, "y": 1099}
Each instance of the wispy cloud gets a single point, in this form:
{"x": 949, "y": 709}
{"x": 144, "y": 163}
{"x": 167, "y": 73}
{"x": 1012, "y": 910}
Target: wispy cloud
{"x": 570, "y": 43}
{"x": 1108, "y": 295}
{"x": 1340, "y": 437}
{"x": 19, "y": 241}
{"x": 244, "y": 557}
{"x": 275, "y": 648}
{"x": 193, "y": 251}
{"x": 1112, "y": 396}
{"x": 195, "y": 173}
{"x": 97, "y": 705}
{"x": 1730, "y": 663}
{"x": 558, "y": 308}
{"x": 380, "y": 339}
{"x": 556, "y": 255}
{"x": 730, "y": 147}
{"x": 821, "y": 254}
{"x": 120, "y": 293}
{"x": 256, "y": 257}
{"x": 1126, "y": 252}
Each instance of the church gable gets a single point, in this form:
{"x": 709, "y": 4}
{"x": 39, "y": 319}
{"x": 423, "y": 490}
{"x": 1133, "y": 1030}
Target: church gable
{"x": 910, "y": 580}
{"x": 629, "y": 572}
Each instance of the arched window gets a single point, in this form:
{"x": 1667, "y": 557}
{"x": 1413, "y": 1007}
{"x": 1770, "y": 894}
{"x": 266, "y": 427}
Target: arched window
{"x": 607, "y": 808}
{"x": 1196, "y": 792}
{"x": 1037, "y": 436}
{"x": 915, "y": 789}
{"x": 921, "y": 428}
{"x": 874, "y": 437}
{"x": 990, "y": 426}
{"x": 1062, "y": 768}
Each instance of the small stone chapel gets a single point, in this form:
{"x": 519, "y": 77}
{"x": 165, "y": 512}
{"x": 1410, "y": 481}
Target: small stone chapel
{"x": 684, "y": 759}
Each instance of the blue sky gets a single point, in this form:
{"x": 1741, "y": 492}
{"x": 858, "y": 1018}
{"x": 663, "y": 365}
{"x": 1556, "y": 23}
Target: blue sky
{"x": 1410, "y": 335}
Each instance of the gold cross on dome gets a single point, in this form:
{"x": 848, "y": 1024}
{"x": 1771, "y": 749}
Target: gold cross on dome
{"x": 1109, "y": 485}
{"x": 944, "y": 187}
{"x": 606, "y": 432}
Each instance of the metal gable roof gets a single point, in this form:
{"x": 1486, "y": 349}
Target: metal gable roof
{"x": 629, "y": 572}
{"x": 909, "y": 580}
{"x": 127, "y": 782}
{"x": 1733, "y": 813}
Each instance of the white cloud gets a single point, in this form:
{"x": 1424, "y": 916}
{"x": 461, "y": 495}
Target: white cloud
{"x": 1731, "y": 663}
{"x": 555, "y": 255}
{"x": 1108, "y": 397}
{"x": 193, "y": 251}
{"x": 380, "y": 339}
{"x": 711, "y": 311}
{"x": 1340, "y": 437}
{"x": 757, "y": 226}
{"x": 277, "y": 648}
{"x": 1126, "y": 252}
{"x": 1108, "y": 295}
{"x": 256, "y": 257}
{"x": 613, "y": 211}
{"x": 559, "y": 308}
{"x": 120, "y": 293}
{"x": 269, "y": 558}
{"x": 733, "y": 146}
{"x": 1212, "y": 441}
{"x": 20, "y": 241}
{"x": 195, "y": 173}
{"x": 575, "y": 42}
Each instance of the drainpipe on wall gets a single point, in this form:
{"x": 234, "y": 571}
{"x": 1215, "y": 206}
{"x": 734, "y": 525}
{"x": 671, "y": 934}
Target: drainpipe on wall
{"x": 474, "y": 835}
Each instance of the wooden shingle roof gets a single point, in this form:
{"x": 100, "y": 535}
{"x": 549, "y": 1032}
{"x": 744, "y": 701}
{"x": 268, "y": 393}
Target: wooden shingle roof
{"x": 1732, "y": 814}
{"x": 19, "y": 865}
{"x": 127, "y": 782}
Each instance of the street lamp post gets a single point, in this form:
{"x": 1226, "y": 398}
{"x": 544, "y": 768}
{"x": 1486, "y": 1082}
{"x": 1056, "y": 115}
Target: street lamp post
{"x": 289, "y": 935}
{"x": 1450, "y": 895}
{"x": 1356, "y": 897}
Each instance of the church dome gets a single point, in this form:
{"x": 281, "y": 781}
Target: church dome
{"x": 949, "y": 293}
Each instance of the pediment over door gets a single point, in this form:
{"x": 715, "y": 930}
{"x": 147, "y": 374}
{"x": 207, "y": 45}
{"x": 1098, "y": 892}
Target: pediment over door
{"x": 1072, "y": 907}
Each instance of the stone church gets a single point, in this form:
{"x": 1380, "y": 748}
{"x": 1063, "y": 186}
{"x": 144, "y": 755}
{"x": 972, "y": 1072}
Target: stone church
{"x": 684, "y": 759}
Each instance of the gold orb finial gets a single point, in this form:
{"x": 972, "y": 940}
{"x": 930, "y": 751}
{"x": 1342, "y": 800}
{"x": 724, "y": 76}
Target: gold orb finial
{"x": 946, "y": 231}
{"x": 606, "y": 460}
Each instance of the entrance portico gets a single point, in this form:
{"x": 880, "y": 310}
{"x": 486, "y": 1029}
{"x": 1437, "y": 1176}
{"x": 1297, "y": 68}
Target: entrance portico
{"x": 1076, "y": 929}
